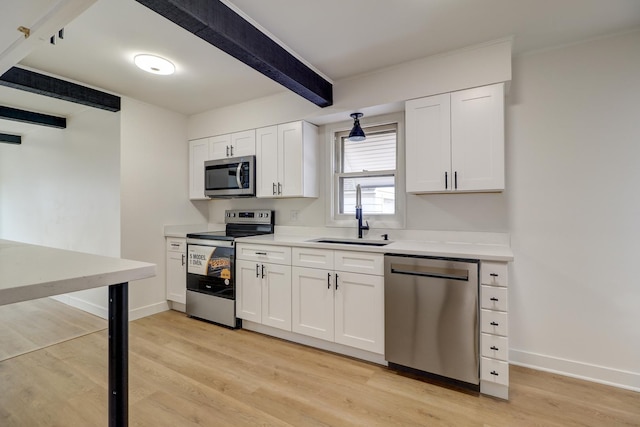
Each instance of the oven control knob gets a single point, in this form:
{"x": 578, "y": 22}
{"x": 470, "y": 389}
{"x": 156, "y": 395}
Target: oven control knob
{"x": 266, "y": 214}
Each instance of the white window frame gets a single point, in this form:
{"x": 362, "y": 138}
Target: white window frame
{"x": 383, "y": 221}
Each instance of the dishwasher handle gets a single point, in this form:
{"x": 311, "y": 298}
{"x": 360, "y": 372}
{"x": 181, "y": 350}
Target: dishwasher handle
{"x": 424, "y": 272}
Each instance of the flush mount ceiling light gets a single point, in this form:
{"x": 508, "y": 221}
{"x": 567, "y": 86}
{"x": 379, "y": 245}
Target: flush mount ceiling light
{"x": 154, "y": 64}
{"x": 356, "y": 134}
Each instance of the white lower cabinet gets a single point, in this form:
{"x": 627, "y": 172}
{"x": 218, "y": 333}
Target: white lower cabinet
{"x": 263, "y": 290}
{"x": 176, "y": 270}
{"x": 345, "y": 307}
{"x": 494, "y": 330}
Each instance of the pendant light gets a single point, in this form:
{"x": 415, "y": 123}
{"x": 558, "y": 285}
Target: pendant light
{"x": 356, "y": 134}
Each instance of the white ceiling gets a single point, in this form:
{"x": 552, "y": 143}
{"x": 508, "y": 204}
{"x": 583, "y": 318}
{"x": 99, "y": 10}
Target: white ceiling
{"x": 339, "y": 38}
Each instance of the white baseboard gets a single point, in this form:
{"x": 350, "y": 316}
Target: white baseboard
{"x": 84, "y": 305}
{"x": 148, "y": 310}
{"x": 571, "y": 368}
{"x": 103, "y": 311}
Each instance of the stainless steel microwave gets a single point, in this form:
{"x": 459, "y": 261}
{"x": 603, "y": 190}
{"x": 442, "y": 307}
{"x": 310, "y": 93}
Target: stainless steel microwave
{"x": 230, "y": 177}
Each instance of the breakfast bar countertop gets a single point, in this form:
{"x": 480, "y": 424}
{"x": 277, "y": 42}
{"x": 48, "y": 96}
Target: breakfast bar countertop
{"x": 31, "y": 271}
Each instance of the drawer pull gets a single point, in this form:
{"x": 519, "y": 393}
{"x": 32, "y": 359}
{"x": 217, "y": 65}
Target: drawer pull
{"x": 493, "y": 347}
{"x": 493, "y": 324}
{"x": 261, "y": 253}
{"x": 493, "y": 299}
{"x": 493, "y": 274}
{"x": 494, "y": 373}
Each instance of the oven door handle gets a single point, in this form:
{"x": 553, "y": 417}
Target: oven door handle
{"x": 238, "y": 175}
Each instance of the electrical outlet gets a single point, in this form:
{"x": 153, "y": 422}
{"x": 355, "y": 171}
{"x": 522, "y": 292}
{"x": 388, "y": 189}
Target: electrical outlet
{"x": 294, "y": 215}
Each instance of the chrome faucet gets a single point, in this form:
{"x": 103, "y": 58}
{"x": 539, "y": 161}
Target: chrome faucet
{"x": 359, "y": 212}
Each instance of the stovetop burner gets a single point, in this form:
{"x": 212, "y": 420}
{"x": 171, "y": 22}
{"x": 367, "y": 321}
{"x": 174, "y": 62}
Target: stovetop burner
{"x": 241, "y": 223}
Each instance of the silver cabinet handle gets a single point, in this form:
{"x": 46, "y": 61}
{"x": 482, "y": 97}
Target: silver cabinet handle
{"x": 182, "y": 259}
{"x": 328, "y": 280}
{"x": 263, "y": 271}
{"x": 336, "y": 281}
{"x": 279, "y": 188}
{"x": 257, "y": 270}
{"x": 446, "y": 180}
{"x": 261, "y": 253}
{"x": 455, "y": 179}
{"x": 227, "y": 151}
{"x": 232, "y": 151}
{"x": 274, "y": 188}
{"x": 493, "y": 299}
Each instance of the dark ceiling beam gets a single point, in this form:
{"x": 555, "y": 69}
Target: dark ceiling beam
{"x": 10, "y": 139}
{"x": 216, "y": 23}
{"x": 32, "y": 118}
{"x": 30, "y": 81}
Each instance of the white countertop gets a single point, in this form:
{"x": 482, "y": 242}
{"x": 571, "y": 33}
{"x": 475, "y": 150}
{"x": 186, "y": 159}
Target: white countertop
{"x": 481, "y": 251}
{"x": 30, "y": 272}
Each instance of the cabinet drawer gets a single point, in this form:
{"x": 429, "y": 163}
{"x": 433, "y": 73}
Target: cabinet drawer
{"x": 495, "y": 371}
{"x": 264, "y": 253}
{"x": 493, "y": 322}
{"x": 177, "y": 245}
{"x": 493, "y": 298}
{"x": 494, "y": 346}
{"x": 493, "y": 273}
{"x": 315, "y": 258}
{"x": 359, "y": 262}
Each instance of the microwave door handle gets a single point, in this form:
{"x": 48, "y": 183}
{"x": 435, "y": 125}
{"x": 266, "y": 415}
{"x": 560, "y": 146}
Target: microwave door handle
{"x": 238, "y": 176}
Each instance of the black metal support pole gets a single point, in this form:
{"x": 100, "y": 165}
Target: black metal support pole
{"x": 119, "y": 355}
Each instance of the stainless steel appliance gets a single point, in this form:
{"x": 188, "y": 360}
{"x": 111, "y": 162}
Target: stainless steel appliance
{"x": 431, "y": 316}
{"x": 211, "y": 289}
{"x": 230, "y": 177}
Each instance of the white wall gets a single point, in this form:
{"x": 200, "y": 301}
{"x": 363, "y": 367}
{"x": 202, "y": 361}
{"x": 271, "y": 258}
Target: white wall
{"x": 61, "y": 188}
{"x": 154, "y": 193}
{"x": 573, "y": 126}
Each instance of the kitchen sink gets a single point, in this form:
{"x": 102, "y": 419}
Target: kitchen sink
{"x": 358, "y": 242}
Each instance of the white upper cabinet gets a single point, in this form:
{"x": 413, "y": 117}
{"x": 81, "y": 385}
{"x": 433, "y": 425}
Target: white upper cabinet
{"x": 232, "y": 145}
{"x": 477, "y": 138}
{"x": 267, "y": 161}
{"x": 286, "y": 160}
{"x": 219, "y": 147}
{"x": 198, "y": 154}
{"x": 455, "y": 142}
{"x": 428, "y": 143}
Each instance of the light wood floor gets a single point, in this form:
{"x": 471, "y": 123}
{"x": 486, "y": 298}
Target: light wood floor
{"x": 31, "y": 325}
{"x": 185, "y": 372}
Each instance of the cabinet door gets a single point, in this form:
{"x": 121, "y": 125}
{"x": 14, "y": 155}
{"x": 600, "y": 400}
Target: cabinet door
{"x": 248, "y": 291}
{"x": 243, "y": 143}
{"x": 267, "y": 161}
{"x": 276, "y": 296}
{"x": 477, "y": 138}
{"x": 219, "y": 147}
{"x": 312, "y": 302}
{"x": 290, "y": 148}
{"x": 359, "y": 311}
{"x": 177, "y": 274}
{"x": 198, "y": 153}
{"x": 428, "y": 144}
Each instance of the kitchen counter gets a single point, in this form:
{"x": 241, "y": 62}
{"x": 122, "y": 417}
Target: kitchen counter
{"x": 481, "y": 251}
{"x": 182, "y": 230}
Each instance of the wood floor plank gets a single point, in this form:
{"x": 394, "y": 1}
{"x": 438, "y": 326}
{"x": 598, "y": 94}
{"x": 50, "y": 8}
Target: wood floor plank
{"x": 32, "y": 325}
{"x": 185, "y": 372}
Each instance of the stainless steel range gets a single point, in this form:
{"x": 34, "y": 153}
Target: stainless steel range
{"x": 211, "y": 288}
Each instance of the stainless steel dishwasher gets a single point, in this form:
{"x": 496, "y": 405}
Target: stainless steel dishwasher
{"x": 431, "y": 316}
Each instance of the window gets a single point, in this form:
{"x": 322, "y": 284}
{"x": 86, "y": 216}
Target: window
{"x": 372, "y": 163}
